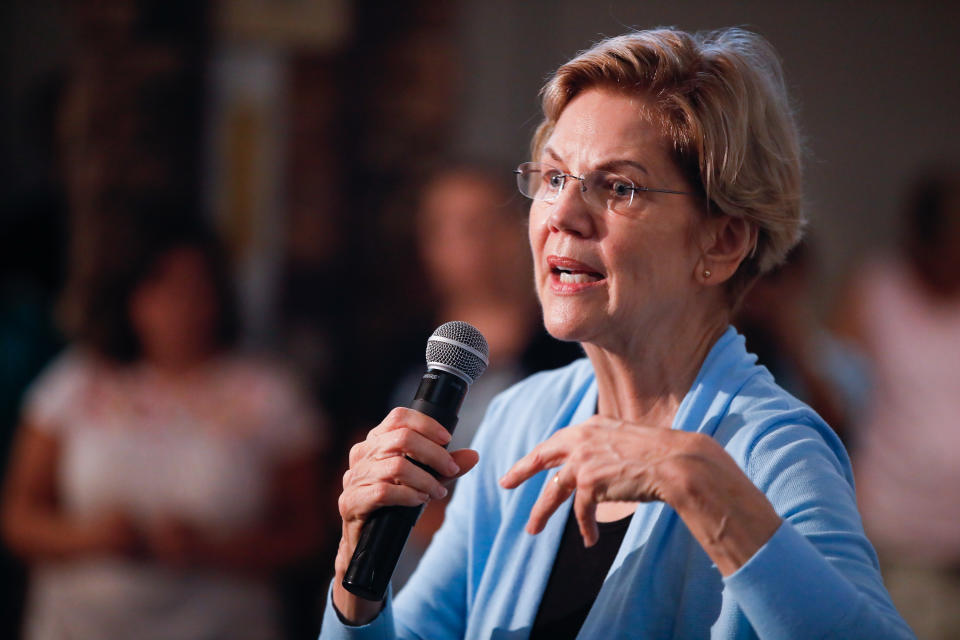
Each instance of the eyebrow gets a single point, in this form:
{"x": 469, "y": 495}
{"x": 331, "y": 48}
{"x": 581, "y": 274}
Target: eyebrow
{"x": 612, "y": 165}
{"x": 609, "y": 165}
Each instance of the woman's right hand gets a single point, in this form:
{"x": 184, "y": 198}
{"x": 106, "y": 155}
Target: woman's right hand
{"x": 380, "y": 475}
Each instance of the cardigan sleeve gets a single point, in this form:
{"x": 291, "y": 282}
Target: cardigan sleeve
{"x": 818, "y": 576}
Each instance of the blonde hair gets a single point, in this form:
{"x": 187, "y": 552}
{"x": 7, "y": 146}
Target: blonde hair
{"x": 722, "y": 102}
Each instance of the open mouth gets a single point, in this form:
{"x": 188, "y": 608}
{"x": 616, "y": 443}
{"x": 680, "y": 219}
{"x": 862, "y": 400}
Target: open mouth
{"x": 568, "y": 276}
{"x": 569, "y": 271}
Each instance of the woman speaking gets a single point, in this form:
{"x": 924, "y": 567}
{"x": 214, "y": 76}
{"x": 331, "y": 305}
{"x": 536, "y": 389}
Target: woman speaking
{"x": 664, "y": 486}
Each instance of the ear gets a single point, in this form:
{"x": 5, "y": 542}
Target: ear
{"x": 726, "y": 242}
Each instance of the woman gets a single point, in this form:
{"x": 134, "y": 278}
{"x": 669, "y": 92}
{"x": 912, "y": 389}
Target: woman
{"x": 903, "y": 313}
{"x": 159, "y": 479}
{"x": 666, "y": 179}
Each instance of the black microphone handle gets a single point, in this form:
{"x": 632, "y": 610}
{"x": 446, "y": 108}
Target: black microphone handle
{"x": 385, "y": 532}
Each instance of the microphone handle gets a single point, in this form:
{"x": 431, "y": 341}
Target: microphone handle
{"x": 385, "y": 532}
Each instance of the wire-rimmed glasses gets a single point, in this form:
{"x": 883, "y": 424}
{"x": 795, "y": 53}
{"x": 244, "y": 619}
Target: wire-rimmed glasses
{"x": 599, "y": 189}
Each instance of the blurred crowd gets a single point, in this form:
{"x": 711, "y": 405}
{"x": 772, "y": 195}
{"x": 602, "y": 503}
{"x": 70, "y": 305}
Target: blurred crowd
{"x": 171, "y": 461}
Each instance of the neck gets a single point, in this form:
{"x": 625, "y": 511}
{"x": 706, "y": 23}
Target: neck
{"x": 177, "y": 365}
{"x": 646, "y": 379}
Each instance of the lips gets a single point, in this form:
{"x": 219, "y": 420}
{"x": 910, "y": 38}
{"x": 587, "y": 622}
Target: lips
{"x": 568, "y": 275}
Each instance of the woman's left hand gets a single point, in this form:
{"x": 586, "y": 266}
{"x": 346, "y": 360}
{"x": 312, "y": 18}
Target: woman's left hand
{"x": 608, "y": 460}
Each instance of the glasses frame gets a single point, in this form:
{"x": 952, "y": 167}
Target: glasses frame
{"x": 523, "y": 168}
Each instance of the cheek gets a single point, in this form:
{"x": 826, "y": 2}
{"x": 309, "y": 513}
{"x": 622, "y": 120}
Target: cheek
{"x": 659, "y": 264}
{"x": 146, "y": 310}
{"x": 537, "y": 230}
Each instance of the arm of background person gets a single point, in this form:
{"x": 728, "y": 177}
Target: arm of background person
{"x": 33, "y": 521}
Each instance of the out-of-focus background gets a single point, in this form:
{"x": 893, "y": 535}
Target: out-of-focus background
{"x": 309, "y": 134}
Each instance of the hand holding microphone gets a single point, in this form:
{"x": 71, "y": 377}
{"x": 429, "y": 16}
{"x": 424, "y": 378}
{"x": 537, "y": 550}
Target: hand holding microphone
{"x": 402, "y": 464}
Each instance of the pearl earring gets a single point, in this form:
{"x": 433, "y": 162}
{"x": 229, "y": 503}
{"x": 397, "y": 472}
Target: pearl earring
{"x": 706, "y": 273}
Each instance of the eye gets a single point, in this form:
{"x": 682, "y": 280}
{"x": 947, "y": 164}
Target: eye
{"x": 553, "y": 178}
{"x": 619, "y": 188}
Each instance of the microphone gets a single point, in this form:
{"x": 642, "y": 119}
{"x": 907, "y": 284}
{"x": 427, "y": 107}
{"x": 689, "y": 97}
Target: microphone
{"x": 457, "y": 354}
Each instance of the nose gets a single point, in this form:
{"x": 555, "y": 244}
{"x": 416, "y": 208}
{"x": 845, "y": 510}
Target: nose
{"x": 570, "y": 213}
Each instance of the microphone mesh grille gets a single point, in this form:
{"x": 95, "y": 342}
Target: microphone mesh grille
{"x": 458, "y": 357}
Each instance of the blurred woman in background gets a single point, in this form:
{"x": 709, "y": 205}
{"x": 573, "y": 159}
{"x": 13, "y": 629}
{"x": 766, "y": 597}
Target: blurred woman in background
{"x": 477, "y": 265}
{"x": 903, "y": 311}
{"x": 159, "y": 478}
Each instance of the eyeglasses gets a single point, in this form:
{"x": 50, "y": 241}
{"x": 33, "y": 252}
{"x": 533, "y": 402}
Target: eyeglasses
{"x": 600, "y": 189}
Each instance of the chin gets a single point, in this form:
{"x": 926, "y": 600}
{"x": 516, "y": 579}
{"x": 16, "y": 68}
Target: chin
{"x": 566, "y": 326}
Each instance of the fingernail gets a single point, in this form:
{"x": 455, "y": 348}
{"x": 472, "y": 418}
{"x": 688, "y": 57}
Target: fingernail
{"x": 423, "y": 496}
{"x": 453, "y": 468}
{"x": 441, "y": 492}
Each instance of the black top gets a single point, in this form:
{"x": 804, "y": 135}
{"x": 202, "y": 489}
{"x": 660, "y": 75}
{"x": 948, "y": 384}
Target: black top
{"x": 576, "y": 579}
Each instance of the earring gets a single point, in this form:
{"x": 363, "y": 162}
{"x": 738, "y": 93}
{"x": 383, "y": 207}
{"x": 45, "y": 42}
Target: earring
{"x": 706, "y": 273}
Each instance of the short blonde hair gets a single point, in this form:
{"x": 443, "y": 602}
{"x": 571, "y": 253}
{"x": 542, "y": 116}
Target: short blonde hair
{"x": 721, "y": 99}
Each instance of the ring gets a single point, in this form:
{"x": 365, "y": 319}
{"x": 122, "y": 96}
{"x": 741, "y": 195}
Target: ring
{"x": 556, "y": 481}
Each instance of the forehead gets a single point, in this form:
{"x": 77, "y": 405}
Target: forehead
{"x": 602, "y": 125}
{"x": 460, "y": 193}
{"x": 179, "y": 261}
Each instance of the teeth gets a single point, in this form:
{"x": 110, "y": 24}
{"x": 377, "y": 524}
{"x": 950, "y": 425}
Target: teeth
{"x": 576, "y": 278}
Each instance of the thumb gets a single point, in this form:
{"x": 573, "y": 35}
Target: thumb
{"x": 466, "y": 459}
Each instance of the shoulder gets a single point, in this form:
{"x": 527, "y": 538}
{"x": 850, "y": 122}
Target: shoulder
{"x": 769, "y": 432}
{"x": 63, "y": 375}
{"x": 737, "y": 401}
{"x": 70, "y": 363}
{"x": 880, "y": 278}
{"x": 59, "y": 385}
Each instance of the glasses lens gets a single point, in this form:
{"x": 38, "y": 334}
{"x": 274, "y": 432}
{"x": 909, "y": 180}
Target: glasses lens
{"x": 539, "y": 181}
{"x": 608, "y": 191}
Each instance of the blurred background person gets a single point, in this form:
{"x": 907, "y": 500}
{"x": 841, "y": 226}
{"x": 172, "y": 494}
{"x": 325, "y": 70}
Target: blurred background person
{"x": 779, "y": 319}
{"x": 159, "y": 478}
{"x": 471, "y": 244}
{"x": 903, "y": 311}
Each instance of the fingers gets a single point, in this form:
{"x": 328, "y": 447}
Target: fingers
{"x": 401, "y": 417}
{"x": 585, "y": 508}
{"x": 385, "y": 495}
{"x": 554, "y": 494}
{"x": 546, "y": 455}
{"x": 466, "y": 459}
{"x": 394, "y": 471}
{"x": 405, "y": 432}
{"x": 387, "y": 467}
{"x": 550, "y": 453}
{"x": 558, "y": 489}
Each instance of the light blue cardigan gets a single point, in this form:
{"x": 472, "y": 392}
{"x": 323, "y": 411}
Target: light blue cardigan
{"x": 817, "y": 577}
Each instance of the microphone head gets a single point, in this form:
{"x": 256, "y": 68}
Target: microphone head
{"x": 458, "y": 348}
